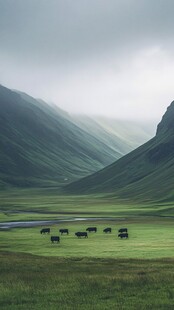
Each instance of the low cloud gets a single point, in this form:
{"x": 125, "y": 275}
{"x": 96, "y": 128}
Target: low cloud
{"x": 112, "y": 57}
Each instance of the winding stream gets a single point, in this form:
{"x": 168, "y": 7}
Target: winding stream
{"x": 23, "y": 224}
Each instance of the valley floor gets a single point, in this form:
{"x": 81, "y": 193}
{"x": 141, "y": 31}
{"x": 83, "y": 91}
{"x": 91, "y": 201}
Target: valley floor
{"x": 99, "y": 272}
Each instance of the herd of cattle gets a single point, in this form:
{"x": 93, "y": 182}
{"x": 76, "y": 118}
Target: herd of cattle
{"x": 122, "y": 233}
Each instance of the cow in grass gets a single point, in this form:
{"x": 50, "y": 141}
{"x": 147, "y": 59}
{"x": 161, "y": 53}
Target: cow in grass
{"x": 45, "y": 231}
{"x": 90, "y": 229}
{"x": 123, "y": 230}
{"x": 123, "y": 235}
{"x": 64, "y": 231}
{"x": 55, "y": 239}
{"x": 80, "y": 234}
{"x": 107, "y": 230}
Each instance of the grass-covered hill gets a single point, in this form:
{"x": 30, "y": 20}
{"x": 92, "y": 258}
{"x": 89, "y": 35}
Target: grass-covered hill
{"x": 41, "y": 145}
{"x": 145, "y": 173}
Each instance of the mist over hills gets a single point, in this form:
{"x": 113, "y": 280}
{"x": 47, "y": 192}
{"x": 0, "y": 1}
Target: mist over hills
{"x": 42, "y": 145}
{"x": 146, "y": 173}
{"x": 124, "y": 135}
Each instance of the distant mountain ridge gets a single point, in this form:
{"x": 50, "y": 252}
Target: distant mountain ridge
{"x": 145, "y": 173}
{"x": 41, "y": 145}
{"x": 122, "y": 135}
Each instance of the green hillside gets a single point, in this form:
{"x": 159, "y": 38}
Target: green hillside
{"x": 41, "y": 145}
{"x": 145, "y": 173}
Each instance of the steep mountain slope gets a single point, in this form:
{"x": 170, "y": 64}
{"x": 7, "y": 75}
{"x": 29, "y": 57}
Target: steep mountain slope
{"x": 145, "y": 173}
{"x": 39, "y": 146}
{"x": 42, "y": 145}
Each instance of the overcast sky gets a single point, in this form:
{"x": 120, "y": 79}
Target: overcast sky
{"x": 109, "y": 57}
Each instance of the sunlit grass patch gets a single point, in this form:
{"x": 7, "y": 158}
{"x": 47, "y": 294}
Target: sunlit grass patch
{"x": 146, "y": 240}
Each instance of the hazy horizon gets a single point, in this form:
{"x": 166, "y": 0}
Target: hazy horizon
{"x": 113, "y": 59}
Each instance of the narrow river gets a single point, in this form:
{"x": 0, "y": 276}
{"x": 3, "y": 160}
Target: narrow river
{"x": 18, "y": 224}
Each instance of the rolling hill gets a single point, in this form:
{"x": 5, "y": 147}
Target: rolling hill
{"x": 41, "y": 145}
{"x": 145, "y": 173}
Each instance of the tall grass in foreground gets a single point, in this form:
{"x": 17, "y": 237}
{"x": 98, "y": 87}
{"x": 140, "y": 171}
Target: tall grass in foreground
{"x": 34, "y": 282}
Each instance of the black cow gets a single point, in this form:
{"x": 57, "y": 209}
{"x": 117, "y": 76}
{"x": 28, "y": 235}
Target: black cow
{"x": 122, "y": 230}
{"x": 45, "y": 230}
{"x": 81, "y": 234}
{"x": 123, "y": 235}
{"x": 64, "y": 231}
{"x": 106, "y": 230}
{"x": 89, "y": 229}
{"x": 55, "y": 239}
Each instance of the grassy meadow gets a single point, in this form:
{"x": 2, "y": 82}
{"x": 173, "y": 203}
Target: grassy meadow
{"x": 147, "y": 240}
{"x": 37, "y": 282}
{"x": 99, "y": 272}
{"x": 50, "y": 204}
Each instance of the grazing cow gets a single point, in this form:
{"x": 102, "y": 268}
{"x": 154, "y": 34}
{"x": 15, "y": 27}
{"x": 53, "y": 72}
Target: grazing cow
{"x": 64, "y": 231}
{"x": 106, "y": 230}
{"x": 122, "y": 230}
{"x": 45, "y": 230}
{"x": 81, "y": 234}
{"x": 123, "y": 235}
{"x": 55, "y": 239}
{"x": 89, "y": 229}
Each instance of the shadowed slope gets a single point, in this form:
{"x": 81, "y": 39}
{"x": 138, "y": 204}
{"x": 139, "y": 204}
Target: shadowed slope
{"x": 145, "y": 173}
{"x": 39, "y": 146}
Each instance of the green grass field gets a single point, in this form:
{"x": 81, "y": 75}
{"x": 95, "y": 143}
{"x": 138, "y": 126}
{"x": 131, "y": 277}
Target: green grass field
{"x": 37, "y": 282}
{"x": 101, "y": 272}
{"x": 147, "y": 239}
{"x": 49, "y": 204}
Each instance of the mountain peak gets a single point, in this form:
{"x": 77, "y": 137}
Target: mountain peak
{"x": 167, "y": 122}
